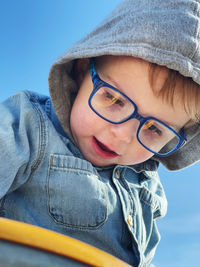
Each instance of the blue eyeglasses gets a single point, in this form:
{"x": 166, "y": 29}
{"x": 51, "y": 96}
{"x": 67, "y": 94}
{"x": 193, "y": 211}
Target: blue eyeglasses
{"x": 115, "y": 107}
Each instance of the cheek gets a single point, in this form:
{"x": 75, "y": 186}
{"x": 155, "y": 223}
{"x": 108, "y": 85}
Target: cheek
{"x": 137, "y": 154}
{"x": 144, "y": 155}
{"x": 78, "y": 118}
{"x": 82, "y": 120}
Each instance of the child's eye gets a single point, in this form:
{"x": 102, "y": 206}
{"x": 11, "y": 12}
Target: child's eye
{"x": 152, "y": 128}
{"x": 113, "y": 99}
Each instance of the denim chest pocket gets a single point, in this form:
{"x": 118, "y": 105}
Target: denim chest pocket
{"x": 76, "y": 195}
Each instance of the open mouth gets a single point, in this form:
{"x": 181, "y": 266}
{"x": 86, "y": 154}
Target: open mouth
{"x": 103, "y": 150}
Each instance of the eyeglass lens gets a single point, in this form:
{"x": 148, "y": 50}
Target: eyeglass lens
{"x": 157, "y": 137}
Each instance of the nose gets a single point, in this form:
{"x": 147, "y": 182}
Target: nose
{"x": 126, "y": 131}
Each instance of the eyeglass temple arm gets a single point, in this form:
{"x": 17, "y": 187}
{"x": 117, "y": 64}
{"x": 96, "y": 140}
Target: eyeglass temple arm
{"x": 93, "y": 72}
{"x": 183, "y": 135}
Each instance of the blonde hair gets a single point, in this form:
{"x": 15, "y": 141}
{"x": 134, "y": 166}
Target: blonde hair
{"x": 188, "y": 89}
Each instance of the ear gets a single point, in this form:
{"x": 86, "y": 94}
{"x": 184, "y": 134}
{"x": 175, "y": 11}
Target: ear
{"x": 81, "y": 68}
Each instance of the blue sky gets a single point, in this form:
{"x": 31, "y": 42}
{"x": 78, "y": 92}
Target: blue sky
{"x": 32, "y": 35}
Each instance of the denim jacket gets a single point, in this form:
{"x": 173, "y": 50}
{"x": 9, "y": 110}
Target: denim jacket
{"x": 45, "y": 181}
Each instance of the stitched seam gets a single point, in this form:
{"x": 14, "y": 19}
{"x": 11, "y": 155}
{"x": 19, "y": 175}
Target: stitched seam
{"x": 196, "y": 31}
{"x": 71, "y": 169}
{"x": 137, "y": 46}
{"x": 42, "y": 132}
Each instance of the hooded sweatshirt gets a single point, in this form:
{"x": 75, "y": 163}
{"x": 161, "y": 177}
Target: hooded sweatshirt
{"x": 162, "y": 32}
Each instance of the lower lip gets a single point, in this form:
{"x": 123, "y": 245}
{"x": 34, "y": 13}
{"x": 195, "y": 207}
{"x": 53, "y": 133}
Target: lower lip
{"x": 102, "y": 153}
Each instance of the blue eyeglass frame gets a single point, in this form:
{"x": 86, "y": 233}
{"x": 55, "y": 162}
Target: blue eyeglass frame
{"x": 98, "y": 83}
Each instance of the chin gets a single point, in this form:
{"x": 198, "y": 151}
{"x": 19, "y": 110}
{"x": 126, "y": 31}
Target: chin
{"x": 102, "y": 163}
{"x": 138, "y": 160}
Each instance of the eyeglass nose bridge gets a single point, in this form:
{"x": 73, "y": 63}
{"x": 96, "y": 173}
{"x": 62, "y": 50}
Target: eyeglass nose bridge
{"x": 137, "y": 116}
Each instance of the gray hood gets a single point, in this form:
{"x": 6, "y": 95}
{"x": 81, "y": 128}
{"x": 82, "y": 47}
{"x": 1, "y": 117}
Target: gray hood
{"x": 163, "y": 32}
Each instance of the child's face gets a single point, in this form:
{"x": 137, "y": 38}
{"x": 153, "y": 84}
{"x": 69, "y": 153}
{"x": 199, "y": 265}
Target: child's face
{"x": 96, "y": 137}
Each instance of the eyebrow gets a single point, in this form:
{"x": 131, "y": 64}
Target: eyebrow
{"x": 114, "y": 83}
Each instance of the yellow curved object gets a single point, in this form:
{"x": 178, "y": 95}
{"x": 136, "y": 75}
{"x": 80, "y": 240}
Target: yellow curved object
{"x": 54, "y": 242}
